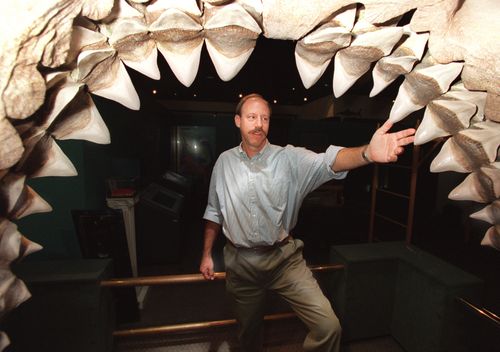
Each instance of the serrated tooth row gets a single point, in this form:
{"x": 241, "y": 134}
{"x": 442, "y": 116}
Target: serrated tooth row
{"x": 314, "y": 52}
{"x": 425, "y": 82}
{"x": 400, "y": 62}
{"x": 482, "y": 186}
{"x": 469, "y": 149}
{"x": 492, "y": 237}
{"x": 19, "y": 199}
{"x": 367, "y": 47}
{"x": 229, "y": 52}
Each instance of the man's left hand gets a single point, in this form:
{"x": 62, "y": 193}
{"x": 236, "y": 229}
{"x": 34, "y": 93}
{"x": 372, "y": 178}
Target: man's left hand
{"x": 385, "y": 147}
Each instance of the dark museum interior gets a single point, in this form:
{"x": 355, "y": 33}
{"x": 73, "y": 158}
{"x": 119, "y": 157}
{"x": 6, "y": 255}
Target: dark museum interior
{"x": 401, "y": 263}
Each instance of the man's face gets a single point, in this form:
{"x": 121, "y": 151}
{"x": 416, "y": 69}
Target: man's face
{"x": 253, "y": 124}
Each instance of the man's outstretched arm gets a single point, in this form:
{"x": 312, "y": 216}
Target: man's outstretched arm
{"x": 384, "y": 147}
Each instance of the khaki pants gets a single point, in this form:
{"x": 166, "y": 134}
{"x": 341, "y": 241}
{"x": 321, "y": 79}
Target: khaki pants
{"x": 249, "y": 273}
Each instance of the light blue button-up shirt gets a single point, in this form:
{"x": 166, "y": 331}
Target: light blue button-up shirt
{"x": 257, "y": 200}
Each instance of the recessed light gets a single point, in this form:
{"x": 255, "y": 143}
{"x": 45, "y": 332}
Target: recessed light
{"x": 154, "y": 91}
{"x": 305, "y": 98}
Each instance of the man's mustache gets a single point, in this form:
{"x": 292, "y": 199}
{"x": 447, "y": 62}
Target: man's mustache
{"x": 258, "y": 130}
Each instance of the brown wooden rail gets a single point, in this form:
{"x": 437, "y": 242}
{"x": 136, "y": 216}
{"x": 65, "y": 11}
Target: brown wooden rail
{"x": 176, "y": 328}
{"x": 189, "y": 278}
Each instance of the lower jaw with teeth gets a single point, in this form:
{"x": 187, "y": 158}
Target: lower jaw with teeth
{"x": 52, "y": 66}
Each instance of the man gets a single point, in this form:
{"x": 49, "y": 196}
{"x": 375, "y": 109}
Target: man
{"x": 255, "y": 194}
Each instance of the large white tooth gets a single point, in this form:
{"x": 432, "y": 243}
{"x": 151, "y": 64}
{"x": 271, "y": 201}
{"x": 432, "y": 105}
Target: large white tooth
{"x": 56, "y": 163}
{"x": 179, "y": 39}
{"x": 469, "y": 149}
{"x": 400, "y": 62}
{"x": 490, "y": 213}
{"x": 446, "y": 159}
{"x": 130, "y": 37}
{"x": 425, "y": 83}
{"x": 459, "y": 92}
{"x": 60, "y": 99}
{"x": 12, "y": 291}
{"x": 148, "y": 66}
{"x": 353, "y": 62}
{"x": 28, "y": 247}
{"x": 83, "y": 121}
{"x": 492, "y": 237}
{"x": 121, "y": 89}
{"x": 314, "y": 52}
{"x": 443, "y": 118}
{"x": 106, "y": 76}
{"x": 34, "y": 204}
{"x": 11, "y": 187}
{"x": 230, "y": 52}
{"x": 482, "y": 186}
{"x": 10, "y": 242}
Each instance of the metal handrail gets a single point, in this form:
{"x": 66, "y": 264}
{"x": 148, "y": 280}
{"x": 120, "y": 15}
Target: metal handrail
{"x": 482, "y": 312}
{"x": 189, "y": 278}
{"x": 177, "y": 328}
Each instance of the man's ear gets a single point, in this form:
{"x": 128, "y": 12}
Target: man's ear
{"x": 237, "y": 120}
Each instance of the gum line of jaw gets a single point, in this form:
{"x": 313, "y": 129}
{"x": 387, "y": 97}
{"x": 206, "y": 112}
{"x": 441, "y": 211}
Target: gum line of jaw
{"x": 101, "y": 47}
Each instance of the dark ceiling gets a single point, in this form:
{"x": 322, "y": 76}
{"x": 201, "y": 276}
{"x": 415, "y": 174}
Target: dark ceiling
{"x": 270, "y": 71}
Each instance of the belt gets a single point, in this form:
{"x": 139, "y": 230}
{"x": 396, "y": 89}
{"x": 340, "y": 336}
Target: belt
{"x": 275, "y": 245}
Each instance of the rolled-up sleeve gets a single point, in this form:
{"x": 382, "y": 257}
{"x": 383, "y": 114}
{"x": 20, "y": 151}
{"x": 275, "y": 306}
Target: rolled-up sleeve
{"x": 330, "y": 157}
{"x": 213, "y": 212}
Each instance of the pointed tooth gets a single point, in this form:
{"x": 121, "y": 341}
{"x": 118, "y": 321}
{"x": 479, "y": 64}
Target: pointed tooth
{"x": 492, "y": 237}
{"x": 82, "y": 121}
{"x": 403, "y": 105}
{"x": 60, "y": 99}
{"x": 313, "y": 53}
{"x": 131, "y": 39}
{"x": 459, "y": 92}
{"x": 482, "y": 186}
{"x": 33, "y": 204}
{"x": 121, "y": 90}
{"x": 45, "y": 158}
{"x": 387, "y": 69}
{"x": 490, "y": 213}
{"x": 13, "y": 291}
{"x": 469, "y": 149}
{"x": 484, "y": 140}
{"x": 230, "y": 52}
{"x": 4, "y": 341}
{"x": 401, "y": 61}
{"x": 353, "y": 62}
{"x": 179, "y": 39}
{"x": 446, "y": 159}
{"x": 309, "y": 74}
{"x": 148, "y": 66}
{"x": 11, "y": 188}
{"x": 10, "y": 242}
{"x": 227, "y": 67}
{"x": 425, "y": 83}
{"x": 444, "y": 117}
{"x": 346, "y": 17}
{"x": 28, "y": 247}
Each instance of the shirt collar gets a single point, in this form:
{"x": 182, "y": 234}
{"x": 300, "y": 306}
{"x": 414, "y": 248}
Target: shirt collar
{"x": 257, "y": 156}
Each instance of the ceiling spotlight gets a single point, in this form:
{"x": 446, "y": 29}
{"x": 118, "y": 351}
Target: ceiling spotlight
{"x": 154, "y": 91}
{"x": 240, "y": 95}
{"x": 275, "y": 101}
{"x": 293, "y": 88}
{"x": 194, "y": 95}
{"x": 305, "y": 98}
